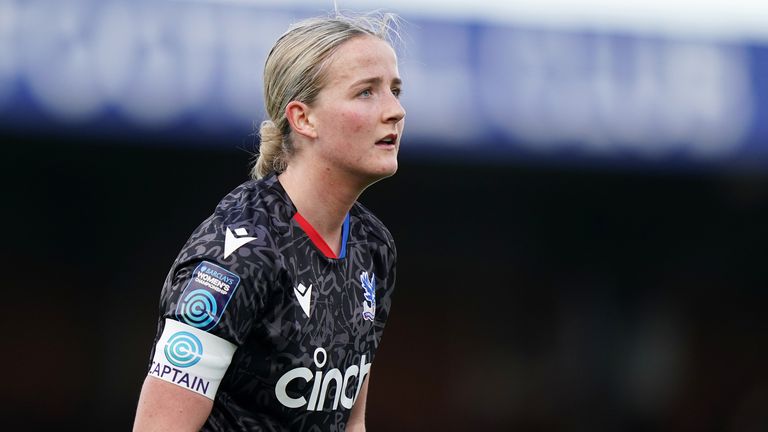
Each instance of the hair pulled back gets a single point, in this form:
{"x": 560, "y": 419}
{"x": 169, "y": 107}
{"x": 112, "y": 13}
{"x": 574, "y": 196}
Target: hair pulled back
{"x": 295, "y": 71}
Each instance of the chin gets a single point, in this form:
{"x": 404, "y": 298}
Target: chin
{"x": 382, "y": 172}
{"x": 390, "y": 169}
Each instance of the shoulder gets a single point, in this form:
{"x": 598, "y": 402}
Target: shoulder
{"x": 254, "y": 202}
{"x": 373, "y": 226}
{"x": 244, "y": 224}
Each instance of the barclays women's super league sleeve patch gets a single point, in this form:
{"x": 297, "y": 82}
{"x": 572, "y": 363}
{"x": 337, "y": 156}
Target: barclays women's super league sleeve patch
{"x": 206, "y": 296}
{"x": 191, "y": 358}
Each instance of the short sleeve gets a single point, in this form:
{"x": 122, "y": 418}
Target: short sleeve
{"x": 216, "y": 297}
{"x": 210, "y": 301}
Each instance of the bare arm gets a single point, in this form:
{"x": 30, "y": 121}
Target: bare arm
{"x": 356, "y": 421}
{"x": 166, "y": 407}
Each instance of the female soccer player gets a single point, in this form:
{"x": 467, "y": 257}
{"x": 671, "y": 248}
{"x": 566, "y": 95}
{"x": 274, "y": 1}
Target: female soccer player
{"x": 273, "y": 310}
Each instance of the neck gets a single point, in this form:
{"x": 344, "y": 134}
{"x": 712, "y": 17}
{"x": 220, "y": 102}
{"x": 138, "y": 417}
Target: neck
{"x": 322, "y": 199}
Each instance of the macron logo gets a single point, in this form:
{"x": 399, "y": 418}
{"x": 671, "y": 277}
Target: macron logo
{"x": 304, "y": 294}
{"x": 232, "y": 243}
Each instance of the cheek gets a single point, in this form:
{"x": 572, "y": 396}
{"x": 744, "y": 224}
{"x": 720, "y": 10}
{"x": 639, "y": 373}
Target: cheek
{"x": 353, "y": 121}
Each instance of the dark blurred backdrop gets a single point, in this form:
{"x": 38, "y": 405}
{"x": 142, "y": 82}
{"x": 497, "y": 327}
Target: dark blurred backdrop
{"x": 529, "y": 298}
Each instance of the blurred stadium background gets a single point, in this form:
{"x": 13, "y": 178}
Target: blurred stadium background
{"x": 580, "y": 211}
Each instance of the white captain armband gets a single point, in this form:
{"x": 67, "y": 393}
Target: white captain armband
{"x": 191, "y": 358}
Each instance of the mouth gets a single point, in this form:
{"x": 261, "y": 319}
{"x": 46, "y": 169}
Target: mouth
{"x": 387, "y": 141}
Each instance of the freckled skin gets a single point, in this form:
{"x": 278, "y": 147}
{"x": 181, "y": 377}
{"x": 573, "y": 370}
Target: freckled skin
{"x": 351, "y": 117}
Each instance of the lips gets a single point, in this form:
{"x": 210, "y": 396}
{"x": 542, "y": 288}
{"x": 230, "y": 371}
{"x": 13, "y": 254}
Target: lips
{"x": 390, "y": 139}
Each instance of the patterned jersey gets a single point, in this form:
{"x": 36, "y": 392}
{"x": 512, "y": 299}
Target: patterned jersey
{"x": 255, "y": 288}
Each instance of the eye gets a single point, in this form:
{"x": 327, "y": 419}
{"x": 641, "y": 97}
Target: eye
{"x": 366, "y": 93}
{"x": 397, "y": 91}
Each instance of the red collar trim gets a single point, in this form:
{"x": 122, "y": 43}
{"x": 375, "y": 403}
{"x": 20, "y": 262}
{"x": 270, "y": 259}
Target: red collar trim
{"x": 314, "y": 236}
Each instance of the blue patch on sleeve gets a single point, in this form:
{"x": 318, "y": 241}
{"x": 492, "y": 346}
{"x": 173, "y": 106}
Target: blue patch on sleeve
{"x": 207, "y": 294}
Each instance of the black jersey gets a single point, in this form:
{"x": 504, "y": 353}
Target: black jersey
{"x": 255, "y": 287}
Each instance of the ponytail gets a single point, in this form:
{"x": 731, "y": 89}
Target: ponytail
{"x": 272, "y": 151}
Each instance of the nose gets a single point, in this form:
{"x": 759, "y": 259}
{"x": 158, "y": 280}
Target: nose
{"x": 394, "y": 111}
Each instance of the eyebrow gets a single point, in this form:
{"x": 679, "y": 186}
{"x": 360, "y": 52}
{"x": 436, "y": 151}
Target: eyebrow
{"x": 375, "y": 80}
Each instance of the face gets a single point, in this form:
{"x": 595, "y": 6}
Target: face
{"x": 357, "y": 115}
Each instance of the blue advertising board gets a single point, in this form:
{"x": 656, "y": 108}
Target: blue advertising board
{"x": 193, "y": 71}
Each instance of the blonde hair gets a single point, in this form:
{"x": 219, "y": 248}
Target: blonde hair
{"x": 295, "y": 70}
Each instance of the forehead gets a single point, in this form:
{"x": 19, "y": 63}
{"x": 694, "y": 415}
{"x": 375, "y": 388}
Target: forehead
{"x": 362, "y": 57}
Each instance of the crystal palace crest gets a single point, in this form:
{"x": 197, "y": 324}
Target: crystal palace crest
{"x": 369, "y": 289}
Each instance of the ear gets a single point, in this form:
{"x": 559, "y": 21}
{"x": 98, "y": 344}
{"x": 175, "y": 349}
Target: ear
{"x": 299, "y": 117}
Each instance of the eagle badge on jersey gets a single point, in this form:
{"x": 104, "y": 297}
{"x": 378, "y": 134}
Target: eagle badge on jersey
{"x": 369, "y": 290}
{"x": 207, "y": 294}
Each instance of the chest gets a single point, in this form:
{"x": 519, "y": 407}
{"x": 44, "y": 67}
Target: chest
{"x": 329, "y": 303}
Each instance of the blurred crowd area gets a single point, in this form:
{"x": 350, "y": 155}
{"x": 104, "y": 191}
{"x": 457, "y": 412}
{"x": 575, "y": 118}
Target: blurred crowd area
{"x": 192, "y": 70}
{"x": 579, "y": 213}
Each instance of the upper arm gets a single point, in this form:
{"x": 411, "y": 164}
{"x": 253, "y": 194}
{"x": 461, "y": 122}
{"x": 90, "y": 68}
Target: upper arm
{"x": 164, "y": 406}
